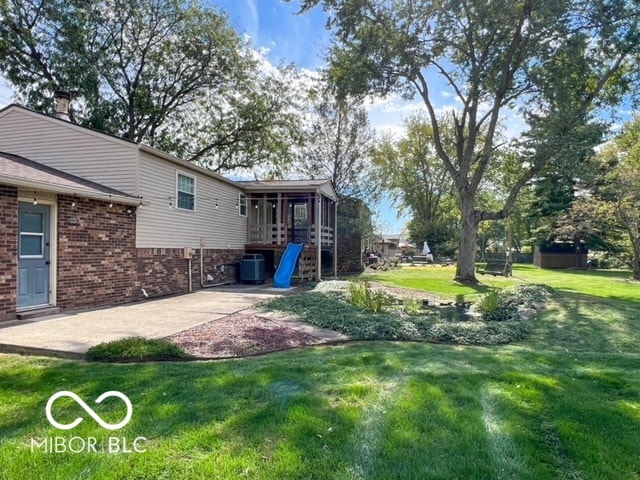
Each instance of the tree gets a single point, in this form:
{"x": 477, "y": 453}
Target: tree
{"x": 254, "y": 126}
{"x": 140, "y": 69}
{"x": 410, "y": 170}
{"x": 339, "y": 142}
{"x": 622, "y": 187}
{"x": 552, "y": 61}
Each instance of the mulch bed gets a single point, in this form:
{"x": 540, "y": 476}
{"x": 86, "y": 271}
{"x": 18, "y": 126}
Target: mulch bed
{"x": 239, "y": 335}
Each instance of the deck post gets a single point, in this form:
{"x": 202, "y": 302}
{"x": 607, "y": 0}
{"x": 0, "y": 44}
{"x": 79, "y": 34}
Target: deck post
{"x": 265, "y": 235}
{"x": 335, "y": 239}
{"x": 279, "y": 217}
{"x": 318, "y": 235}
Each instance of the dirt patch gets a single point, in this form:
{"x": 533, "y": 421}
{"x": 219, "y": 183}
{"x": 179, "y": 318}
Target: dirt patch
{"x": 239, "y": 335}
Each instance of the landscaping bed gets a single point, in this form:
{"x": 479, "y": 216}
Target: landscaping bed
{"x": 379, "y": 315}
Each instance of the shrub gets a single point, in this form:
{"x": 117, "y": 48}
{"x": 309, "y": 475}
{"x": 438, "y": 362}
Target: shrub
{"x": 362, "y": 295}
{"x": 503, "y": 305}
{"x": 135, "y": 349}
{"x": 411, "y": 306}
{"x": 489, "y": 303}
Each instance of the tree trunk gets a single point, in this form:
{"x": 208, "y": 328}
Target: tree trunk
{"x": 466, "y": 266}
{"x": 635, "y": 262}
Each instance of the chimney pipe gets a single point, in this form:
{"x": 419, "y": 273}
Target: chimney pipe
{"x": 62, "y": 105}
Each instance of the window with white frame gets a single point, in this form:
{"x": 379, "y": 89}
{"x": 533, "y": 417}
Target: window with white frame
{"x": 242, "y": 204}
{"x": 186, "y": 192}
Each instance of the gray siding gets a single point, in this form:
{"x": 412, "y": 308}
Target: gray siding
{"x": 162, "y": 226}
{"x": 327, "y": 189}
{"x": 72, "y": 149}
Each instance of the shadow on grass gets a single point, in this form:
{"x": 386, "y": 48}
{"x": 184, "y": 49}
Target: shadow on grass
{"x": 377, "y": 407}
{"x": 294, "y": 412}
{"x": 577, "y": 322}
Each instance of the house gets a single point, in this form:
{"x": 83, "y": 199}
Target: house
{"x": 387, "y": 245}
{"x": 88, "y": 219}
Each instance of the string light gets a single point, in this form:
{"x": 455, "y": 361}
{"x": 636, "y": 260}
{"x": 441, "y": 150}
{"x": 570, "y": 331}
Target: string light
{"x": 110, "y": 202}
{"x": 35, "y": 198}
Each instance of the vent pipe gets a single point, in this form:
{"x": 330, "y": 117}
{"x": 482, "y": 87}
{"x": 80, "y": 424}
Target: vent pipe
{"x": 62, "y": 105}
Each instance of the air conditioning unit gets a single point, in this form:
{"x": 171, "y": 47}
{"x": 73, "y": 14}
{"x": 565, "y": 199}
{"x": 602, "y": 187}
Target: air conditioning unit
{"x": 252, "y": 268}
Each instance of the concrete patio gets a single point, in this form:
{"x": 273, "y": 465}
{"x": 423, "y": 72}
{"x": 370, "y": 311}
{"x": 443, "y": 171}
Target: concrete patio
{"x": 71, "y": 334}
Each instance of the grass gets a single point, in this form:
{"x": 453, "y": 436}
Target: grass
{"x": 563, "y": 404}
{"x": 135, "y": 349}
{"x": 438, "y": 280}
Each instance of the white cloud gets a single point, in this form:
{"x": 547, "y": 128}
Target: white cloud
{"x": 252, "y": 20}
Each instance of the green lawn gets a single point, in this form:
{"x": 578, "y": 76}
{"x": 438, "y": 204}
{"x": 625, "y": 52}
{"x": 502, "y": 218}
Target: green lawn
{"x": 439, "y": 280}
{"x": 563, "y": 404}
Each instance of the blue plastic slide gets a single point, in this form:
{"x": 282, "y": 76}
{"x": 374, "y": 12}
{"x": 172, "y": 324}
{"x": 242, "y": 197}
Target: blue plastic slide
{"x": 287, "y": 265}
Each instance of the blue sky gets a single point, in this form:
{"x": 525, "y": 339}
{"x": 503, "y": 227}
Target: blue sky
{"x": 274, "y": 25}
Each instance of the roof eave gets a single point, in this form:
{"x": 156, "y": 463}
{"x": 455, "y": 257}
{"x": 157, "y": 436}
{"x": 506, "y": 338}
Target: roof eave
{"x": 53, "y": 188}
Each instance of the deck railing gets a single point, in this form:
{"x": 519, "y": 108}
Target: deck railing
{"x": 270, "y": 234}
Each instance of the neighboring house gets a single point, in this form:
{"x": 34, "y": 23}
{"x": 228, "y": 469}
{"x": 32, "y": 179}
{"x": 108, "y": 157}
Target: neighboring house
{"x": 387, "y": 245}
{"x": 90, "y": 220}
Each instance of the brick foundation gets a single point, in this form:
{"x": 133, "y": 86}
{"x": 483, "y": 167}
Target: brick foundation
{"x": 165, "y": 271}
{"x": 8, "y": 251}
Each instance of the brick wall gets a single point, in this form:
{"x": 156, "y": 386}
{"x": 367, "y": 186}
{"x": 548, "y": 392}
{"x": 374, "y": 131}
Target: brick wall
{"x": 165, "y": 271}
{"x": 349, "y": 254}
{"x": 96, "y": 253}
{"x": 8, "y": 251}
{"x": 98, "y": 263}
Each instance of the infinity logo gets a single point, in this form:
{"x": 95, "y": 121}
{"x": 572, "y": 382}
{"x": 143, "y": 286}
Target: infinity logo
{"x": 88, "y": 409}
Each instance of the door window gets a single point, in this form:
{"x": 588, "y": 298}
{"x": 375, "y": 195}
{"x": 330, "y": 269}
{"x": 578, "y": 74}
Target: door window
{"x": 32, "y": 235}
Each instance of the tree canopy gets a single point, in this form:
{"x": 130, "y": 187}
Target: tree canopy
{"x": 147, "y": 70}
{"x": 339, "y": 141}
{"x": 410, "y": 170}
{"x": 552, "y": 62}
{"x": 621, "y": 186}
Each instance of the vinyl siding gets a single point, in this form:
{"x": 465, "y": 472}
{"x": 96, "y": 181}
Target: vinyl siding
{"x": 72, "y": 149}
{"x": 162, "y": 226}
{"x": 327, "y": 189}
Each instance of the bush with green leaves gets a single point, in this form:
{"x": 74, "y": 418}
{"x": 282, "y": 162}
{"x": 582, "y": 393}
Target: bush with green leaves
{"x": 361, "y": 294}
{"x": 504, "y": 305}
{"x": 134, "y": 349}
